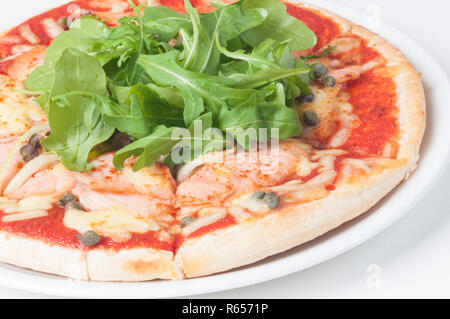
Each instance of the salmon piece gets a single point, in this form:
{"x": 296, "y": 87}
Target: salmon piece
{"x": 105, "y": 178}
{"x": 346, "y": 74}
{"x": 156, "y": 181}
{"x": 24, "y": 64}
{"x": 55, "y": 181}
{"x": 149, "y": 192}
{"x": 8, "y": 166}
{"x": 215, "y": 182}
{"x": 137, "y": 204}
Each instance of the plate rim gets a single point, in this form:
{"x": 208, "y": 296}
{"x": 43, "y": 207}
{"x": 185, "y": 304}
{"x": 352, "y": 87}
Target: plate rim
{"x": 28, "y": 280}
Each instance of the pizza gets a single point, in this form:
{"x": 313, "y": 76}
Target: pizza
{"x": 85, "y": 189}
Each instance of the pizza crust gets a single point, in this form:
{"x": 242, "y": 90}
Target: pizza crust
{"x": 137, "y": 264}
{"x": 37, "y": 255}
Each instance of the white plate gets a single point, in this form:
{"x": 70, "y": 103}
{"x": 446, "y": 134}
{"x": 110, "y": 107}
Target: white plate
{"x": 435, "y": 157}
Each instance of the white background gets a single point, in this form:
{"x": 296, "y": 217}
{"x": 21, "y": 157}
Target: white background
{"x": 411, "y": 258}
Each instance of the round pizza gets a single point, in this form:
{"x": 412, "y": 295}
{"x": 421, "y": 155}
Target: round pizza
{"x": 176, "y": 139}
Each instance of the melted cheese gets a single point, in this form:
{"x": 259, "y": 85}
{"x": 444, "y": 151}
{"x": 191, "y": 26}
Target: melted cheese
{"x": 37, "y": 164}
{"x": 19, "y": 49}
{"x": 305, "y": 167}
{"x": 24, "y": 216}
{"x": 331, "y": 107}
{"x": 29, "y": 204}
{"x": 17, "y": 112}
{"x": 111, "y": 5}
{"x": 151, "y": 180}
{"x": 203, "y": 221}
{"x": 249, "y": 203}
{"x": 26, "y": 32}
{"x": 344, "y": 45}
{"x": 52, "y": 28}
{"x": 113, "y": 223}
{"x": 10, "y": 39}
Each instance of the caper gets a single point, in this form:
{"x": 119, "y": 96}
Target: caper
{"x": 328, "y": 81}
{"x": 76, "y": 205}
{"x": 89, "y": 238}
{"x": 319, "y": 70}
{"x": 272, "y": 200}
{"x": 36, "y": 139}
{"x": 31, "y": 149}
{"x": 259, "y": 195}
{"x": 186, "y": 221}
{"x": 310, "y": 118}
{"x": 120, "y": 140}
{"x": 28, "y": 152}
{"x": 66, "y": 199}
{"x": 306, "y": 98}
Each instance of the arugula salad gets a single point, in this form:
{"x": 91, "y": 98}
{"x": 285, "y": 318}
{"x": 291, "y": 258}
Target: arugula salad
{"x": 128, "y": 88}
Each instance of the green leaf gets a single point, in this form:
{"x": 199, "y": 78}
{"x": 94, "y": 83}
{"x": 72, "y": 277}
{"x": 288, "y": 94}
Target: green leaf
{"x": 165, "y": 140}
{"x": 219, "y": 26}
{"x": 265, "y": 76}
{"x": 148, "y": 149}
{"x": 83, "y": 34}
{"x": 162, "y": 73}
{"x": 268, "y": 115}
{"x": 278, "y": 25}
{"x": 74, "y": 114}
{"x": 165, "y": 22}
{"x": 141, "y": 112}
{"x": 198, "y": 90}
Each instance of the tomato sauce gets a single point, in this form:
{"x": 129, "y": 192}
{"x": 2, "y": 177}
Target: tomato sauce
{"x": 324, "y": 28}
{"x": 220, "y": 224}
{"x": 37, "y": 28}
{"x": 360, "y": 56}
{"x": 374, "y": 100}
{"x": 51, "y": 229}
{"x": 35, "y": 24}
{"x": 373, "y": 96}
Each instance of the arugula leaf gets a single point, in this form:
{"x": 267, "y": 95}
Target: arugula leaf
{"x": 268, "y": 115}
{"x": 199, "y": 90}
{"x": 83, "y": 34}
{"x": 148, "y": 149}
{"x": 219, "y": 26}
{"x": 165, "y": 140}
{"x": 278, "y": 25}
{"x": 162, "y": 72}
{"x": 165, "y": 22}
{"x": 74, "y": 116}
{"x": 265, "y": 76}
{"x": 141, "y": 112}
{"x": 328, "y": 50}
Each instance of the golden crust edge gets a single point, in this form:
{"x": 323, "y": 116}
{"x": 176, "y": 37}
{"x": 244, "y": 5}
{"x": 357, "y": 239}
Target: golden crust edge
{"x": 132, "y": 265}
